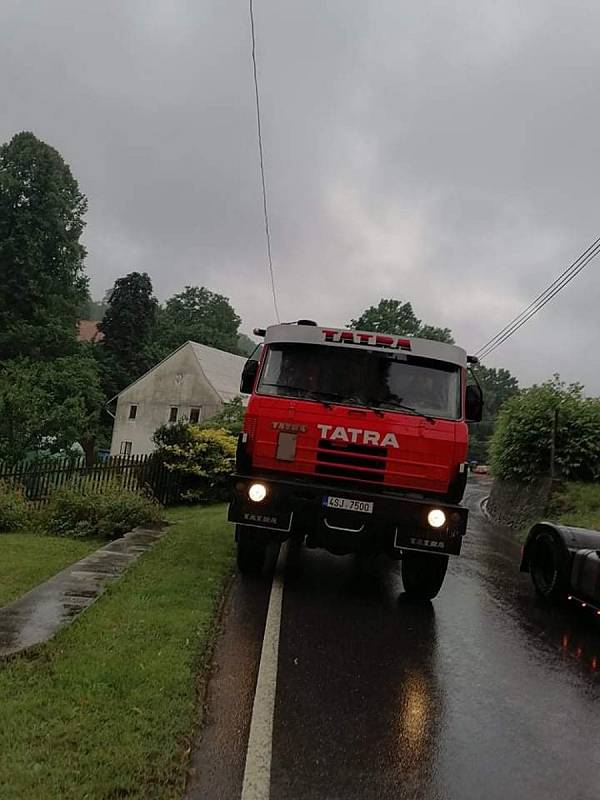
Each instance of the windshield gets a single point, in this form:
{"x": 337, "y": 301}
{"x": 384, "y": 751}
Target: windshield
{"x": 362, "y": 378}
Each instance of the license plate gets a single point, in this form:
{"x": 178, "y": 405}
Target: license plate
{"x": 362, "y": 506}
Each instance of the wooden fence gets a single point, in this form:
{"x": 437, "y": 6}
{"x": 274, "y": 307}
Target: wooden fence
{"x": 39, "y": 479}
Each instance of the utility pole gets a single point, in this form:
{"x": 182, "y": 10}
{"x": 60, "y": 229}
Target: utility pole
{"x": 553, "y": 443}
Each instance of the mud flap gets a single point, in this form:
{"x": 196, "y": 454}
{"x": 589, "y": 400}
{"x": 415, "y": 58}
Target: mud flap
{"x": 446, "y": 542}
{"x": 271, "y": 519}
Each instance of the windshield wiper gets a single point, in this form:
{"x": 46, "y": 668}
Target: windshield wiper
{"x": 351, "y": 401}
{"x": 327, "y": 398}
{"x": 410, "y": 409}
{"x": 303, "y": 393}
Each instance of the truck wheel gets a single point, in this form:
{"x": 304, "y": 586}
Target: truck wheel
{"x": 251, "y": 547}
{"x": 423, "y": 574}
{"x": 548, "y": 566}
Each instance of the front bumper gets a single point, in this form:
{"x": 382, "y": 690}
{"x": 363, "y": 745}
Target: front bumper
{"x": 397, "y": 522}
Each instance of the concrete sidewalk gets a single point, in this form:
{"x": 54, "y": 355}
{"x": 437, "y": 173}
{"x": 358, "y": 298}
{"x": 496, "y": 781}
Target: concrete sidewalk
{"x": 38, "y": 615}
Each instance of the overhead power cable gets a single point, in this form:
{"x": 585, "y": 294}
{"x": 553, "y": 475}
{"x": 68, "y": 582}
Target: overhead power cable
{"x": 541, "y": 300}
{"x": 534, "y": 308}
{"x": 262, "y": 164}
{"x": 547, "y": 297}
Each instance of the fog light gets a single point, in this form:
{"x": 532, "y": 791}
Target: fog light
{"x": 257, "y": 492}
{"x": 436, "y": 518}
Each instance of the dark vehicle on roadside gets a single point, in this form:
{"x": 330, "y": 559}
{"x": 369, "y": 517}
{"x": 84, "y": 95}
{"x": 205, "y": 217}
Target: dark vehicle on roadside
{"x": 564, "y": 562}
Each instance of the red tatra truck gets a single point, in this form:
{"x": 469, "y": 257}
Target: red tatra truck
{"x": 355, "y": 442}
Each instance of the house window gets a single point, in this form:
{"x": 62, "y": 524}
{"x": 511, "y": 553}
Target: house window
{"x": 133, "y": 412}
{"x": 125, "y": 449}
{"x": 194, "y": 415}
{"x": 173, "y": 414}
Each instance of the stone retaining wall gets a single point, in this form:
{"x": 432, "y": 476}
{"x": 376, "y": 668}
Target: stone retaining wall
{"x": 518, "y": 505}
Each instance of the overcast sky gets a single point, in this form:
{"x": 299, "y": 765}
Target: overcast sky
{"x": 442, "y": 153}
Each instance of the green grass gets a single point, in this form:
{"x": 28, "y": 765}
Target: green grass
{"x": 107, "y": 709}
{"x": 27, "y": 559}
{"x": 577, "y": 504}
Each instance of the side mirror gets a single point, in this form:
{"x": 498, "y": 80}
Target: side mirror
{"x": 474, "y": 404}
{"x": 248, "y": 376}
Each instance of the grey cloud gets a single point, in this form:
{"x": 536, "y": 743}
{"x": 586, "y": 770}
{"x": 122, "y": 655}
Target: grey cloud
{"x": 442, "y": 153}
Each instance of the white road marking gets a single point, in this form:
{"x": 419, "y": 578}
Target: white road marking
{"x": 257, "y": 773}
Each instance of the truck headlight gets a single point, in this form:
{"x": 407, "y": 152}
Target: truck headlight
{"x": 257, "y": 492}
{"x": 436, "y": 518}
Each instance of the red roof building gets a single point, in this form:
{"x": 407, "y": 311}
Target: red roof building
{"x": 87, "y": 331}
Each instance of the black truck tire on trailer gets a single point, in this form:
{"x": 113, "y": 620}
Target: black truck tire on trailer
{"x": 251, "y": 548}
{"x": 548, "y": 565}
{"x": 423, "y": 574}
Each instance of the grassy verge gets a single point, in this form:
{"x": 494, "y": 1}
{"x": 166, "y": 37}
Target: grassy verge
{"x": 106, "y": 710}
{"x": 27, "y": 559}
{"x": 577, "y": 504}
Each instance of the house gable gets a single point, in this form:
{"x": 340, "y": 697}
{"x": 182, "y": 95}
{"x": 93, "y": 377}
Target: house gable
{"x": 172, "y": 389}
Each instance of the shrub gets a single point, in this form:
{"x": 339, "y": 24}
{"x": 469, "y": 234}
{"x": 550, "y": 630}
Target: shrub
{"x": 522, "y": 441}
{"x": 172, "y": 434}
{"x": 576, "y": 504}
{"x": 204, "y": 459}
{"x": 230, "y": 418}
{"x": 15, "y": 512}
{"x": 108, "y": 512}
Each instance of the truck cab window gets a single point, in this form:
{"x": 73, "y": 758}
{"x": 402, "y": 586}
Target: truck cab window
{"x": 362, "y": 378}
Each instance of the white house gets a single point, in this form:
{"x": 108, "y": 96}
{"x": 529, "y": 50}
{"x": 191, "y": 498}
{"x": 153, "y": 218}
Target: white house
{"x": 192, "y": 383}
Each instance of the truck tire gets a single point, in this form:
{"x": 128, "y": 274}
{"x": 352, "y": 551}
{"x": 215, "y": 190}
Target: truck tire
{"x": 251, "y": 547}
{"x": 423, "y": 574}
{"x": 548, "y": 566}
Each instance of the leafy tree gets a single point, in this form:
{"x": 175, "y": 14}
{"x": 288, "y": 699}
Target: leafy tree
{"x": 522, "y": 441}
{"x": 229, "y": 418}
{"x": 93, "y": 309}
{"x": 41, "y": 258}
{"x": 394, "y": 316}
{"x": 245, "y": 345}
{"x": 129, "y": 328}
{"x": 437, "y": 334}
{"x": 48, "y": 406}
{"x": 199, "y": 315}
{"x": 498, "y": 386}
{"x": 389, "y": 316}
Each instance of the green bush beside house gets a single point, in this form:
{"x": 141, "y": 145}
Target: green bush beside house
{"x": 202, "y": 455}
{"x": 203, "y": 458}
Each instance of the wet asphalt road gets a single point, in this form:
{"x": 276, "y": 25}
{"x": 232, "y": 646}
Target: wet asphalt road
{"x": 487, "y": 693}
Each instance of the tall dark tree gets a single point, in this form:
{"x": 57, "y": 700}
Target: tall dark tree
{"x": 245, "y": 345}
{"x": 49, "y": 405}
{"x": 435, "y": 333}
{"x": 199, "y": 315}
{"x": 41, "y": 257}
{"x": 394, "y": 316}
{"x": 389, "y": 316}
{"x": 498, "y": 386}
{"x": 129, "y": 327}
{"x": 94, "y": 309}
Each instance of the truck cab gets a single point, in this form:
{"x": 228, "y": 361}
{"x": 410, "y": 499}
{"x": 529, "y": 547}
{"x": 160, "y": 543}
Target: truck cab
{"x": 355, "y": 442}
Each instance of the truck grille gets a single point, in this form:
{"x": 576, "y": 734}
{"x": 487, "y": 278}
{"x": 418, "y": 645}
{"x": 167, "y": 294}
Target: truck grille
{"x": 351, "y": 461}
